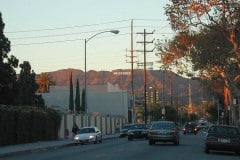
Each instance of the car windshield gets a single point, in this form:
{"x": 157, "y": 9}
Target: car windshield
{"x": 127, "y": 127}
{"x": 190, "y": 125}
{"x": 138, "y": 126}
{"x": 86, "y": 130}
{"x": 167, "y": 126}
{"x": 223, "y": 130}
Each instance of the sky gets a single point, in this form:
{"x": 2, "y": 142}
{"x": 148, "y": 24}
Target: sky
{"x": 50, "y": 34}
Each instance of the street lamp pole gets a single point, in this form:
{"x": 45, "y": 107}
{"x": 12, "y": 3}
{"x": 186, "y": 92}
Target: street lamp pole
{"x": 85, "y": 65}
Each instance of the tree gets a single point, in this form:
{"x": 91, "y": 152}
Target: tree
{"x": 77, "y": 98}
{"x": 208, "y": 30}
{"x": 27, "y": 85}
{"x": 171, "y": 114}
{"x": 44, "y": 80}
{"x": 71, "y": 104}
{"x": 7, "y": 64}
{"x": 83, "y": 101}
{"x": 39, "y": 101}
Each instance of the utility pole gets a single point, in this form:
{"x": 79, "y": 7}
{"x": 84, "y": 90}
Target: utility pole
{"x": 145, "y": 72}
{"x": 132, "y": 76}
{"x": 190, "y": 107}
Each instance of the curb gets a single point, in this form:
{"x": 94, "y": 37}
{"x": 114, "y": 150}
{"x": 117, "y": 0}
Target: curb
{"x": 4, "y": 155}
{"x": 71, "y": 143}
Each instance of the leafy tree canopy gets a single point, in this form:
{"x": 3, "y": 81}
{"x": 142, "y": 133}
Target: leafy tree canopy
{"x": 7, "y": 72}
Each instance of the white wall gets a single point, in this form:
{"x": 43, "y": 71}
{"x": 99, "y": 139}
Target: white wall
{"x": 105, "y": 124}
{"x": 111, "y": 101}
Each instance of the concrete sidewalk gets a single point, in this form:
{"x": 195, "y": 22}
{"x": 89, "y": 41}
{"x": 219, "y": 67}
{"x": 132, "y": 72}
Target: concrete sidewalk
{"x": 6, "y": 151}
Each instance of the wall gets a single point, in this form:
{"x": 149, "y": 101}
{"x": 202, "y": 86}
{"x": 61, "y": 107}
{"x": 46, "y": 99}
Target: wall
{"x": 107, "y": 124}
{"x": 113, "y": 103}
{"x": 103, "y": 99}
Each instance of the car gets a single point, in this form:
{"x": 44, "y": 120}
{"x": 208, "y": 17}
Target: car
{"x": 137, "y": 131}
{"x": 124, "y": 130}
{"x": 190, "y": 127}
{"x": 88, "y": 135}
{"x": 222, "y": 138}
{"x": 163, "y": 131}
{"x": 202, "y": 125}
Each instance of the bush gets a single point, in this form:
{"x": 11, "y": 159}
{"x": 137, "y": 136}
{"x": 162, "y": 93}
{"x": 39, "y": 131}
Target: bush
{"x": 27, "y": 124}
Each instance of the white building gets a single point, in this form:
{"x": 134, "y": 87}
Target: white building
{"x": 101, "y": 99}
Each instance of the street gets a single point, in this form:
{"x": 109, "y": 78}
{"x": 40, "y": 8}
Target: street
{"x": 191, "y": 147}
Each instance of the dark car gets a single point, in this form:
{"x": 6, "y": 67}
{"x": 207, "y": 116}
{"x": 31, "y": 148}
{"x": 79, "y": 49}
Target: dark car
{"x": 163, "y": 131}
{"x": 223, "y": 138}
{"x": 124, "y": 130}
{"x": 202, "y": 125}
{"x": 137, "y": 131}
{"x": 190, "y": 127}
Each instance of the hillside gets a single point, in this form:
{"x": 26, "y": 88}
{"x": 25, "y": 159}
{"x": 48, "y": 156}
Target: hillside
{"x": 122, "y": 78}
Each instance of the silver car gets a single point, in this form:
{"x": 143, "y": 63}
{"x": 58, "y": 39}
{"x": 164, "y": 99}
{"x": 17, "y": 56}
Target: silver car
{"x": 163, "y": 131}
{"x": 88, "y": 135}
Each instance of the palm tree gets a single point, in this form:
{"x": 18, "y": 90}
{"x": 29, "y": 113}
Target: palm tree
{"x": 44, "y": 80}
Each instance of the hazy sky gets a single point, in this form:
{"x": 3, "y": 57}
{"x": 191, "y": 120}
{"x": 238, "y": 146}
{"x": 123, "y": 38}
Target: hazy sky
{"x": 50, "y": 33}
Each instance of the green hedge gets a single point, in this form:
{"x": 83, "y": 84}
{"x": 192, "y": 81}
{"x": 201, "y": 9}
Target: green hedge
{"x": 24, "y": 124}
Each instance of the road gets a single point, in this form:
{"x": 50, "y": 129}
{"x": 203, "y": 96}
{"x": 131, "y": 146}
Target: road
{"x": 191, "y": 147}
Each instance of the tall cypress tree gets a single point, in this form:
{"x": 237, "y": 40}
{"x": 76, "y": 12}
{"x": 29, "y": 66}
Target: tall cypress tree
{"x": 71, "y": 105}
{"x": 77, "y": 99}
{"x": 83, "y": 101}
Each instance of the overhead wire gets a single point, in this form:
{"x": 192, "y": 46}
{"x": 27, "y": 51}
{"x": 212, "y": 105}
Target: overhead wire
{"x": 69, "y": 27}
{"x": 53, "y": 62}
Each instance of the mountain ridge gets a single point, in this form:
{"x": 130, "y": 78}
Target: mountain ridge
{"x": 166, "y": 82}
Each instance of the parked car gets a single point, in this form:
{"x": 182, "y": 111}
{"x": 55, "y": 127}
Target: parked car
{"x": 190, "y": 127}
{"x": 163, "y": 131}
{"x": 124, "y": 130}
{"x": 222, "y": 138}
{"x": 137, "y": 131}
{"x": 88, "y": 135}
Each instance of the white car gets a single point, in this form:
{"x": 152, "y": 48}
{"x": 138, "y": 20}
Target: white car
{"x": 88, "y": 135}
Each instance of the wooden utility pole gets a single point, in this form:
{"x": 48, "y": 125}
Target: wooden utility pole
{"x": 145, "y": 71}
{"x": 132, "y": 112}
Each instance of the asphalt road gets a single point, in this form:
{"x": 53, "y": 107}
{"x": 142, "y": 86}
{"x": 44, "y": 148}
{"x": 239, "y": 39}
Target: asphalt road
{"x": 191, "y": 147}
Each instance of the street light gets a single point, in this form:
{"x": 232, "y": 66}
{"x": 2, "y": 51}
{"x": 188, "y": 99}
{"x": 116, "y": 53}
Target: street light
{"x": 85, "y": 64}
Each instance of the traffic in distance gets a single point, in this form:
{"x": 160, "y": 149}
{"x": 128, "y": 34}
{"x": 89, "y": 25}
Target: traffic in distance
{"x": 217, "y": 137}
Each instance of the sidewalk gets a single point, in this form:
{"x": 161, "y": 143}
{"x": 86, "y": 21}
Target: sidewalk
{"x": 6, "y": 151}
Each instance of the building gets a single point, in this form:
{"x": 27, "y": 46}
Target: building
{"x": 152, "y": 96}
{"x": 101, "y": 99}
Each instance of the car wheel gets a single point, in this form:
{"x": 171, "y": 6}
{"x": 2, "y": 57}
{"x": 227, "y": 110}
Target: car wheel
{"x": 151, "y": 142}
{"x": 238, "y": 152}
{"x": 96, "y": 141}
{"x": 130, "y": 138}
{"x": 206, "y": 150}
{"x": 100, "y": 140}
{"x": 176, "y": 142}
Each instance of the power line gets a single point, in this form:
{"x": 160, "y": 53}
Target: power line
{"x": 66, "y": 34}
{"x": 57, "y": 41}
{"x": 61, "y": 28}
{"x": 77, "y": 33}
{"x": 79, "y": 26}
